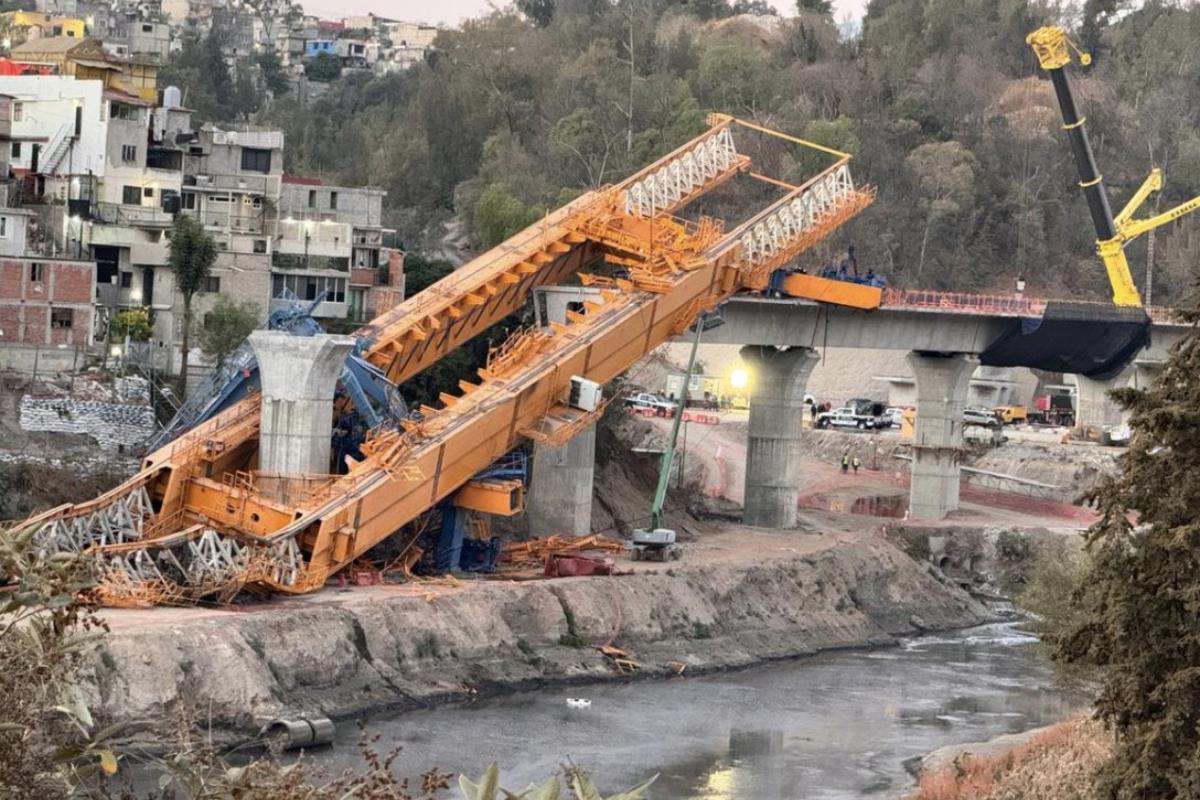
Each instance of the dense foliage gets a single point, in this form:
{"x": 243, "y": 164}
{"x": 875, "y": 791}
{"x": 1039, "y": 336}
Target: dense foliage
{"x": 227, "y": 326}
{"x": 1141, "y": 597}
{"x": 941, "y": 101}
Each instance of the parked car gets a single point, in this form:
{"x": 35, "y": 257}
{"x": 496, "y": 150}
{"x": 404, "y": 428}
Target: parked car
{"x": 848, "y": 417}
{"x": 647, "y": 400}
{"x": 893, "y": 416}
{"x": 984, "y": 417}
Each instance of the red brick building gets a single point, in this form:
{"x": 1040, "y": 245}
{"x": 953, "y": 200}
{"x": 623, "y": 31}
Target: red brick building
{"x": 46, "y": 301}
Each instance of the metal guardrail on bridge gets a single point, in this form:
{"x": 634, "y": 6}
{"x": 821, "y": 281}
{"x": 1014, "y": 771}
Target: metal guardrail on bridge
{"x": 993, "y": 304}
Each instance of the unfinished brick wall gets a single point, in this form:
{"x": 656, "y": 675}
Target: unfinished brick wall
{"x": 33, "y": 289}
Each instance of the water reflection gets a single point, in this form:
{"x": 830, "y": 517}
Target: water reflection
{"x": 838, "y": 725}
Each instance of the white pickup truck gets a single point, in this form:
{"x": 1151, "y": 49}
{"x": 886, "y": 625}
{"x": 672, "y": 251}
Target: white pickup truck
{"x": 650, "y": 401}
{"x": 848, "y": 417}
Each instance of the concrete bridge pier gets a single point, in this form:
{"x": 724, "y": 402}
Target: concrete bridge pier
{"x": 559, "y": 502}
{"x": 1093, "y": 406}
{"x": 942, "y": 382}
{"x": 299, "y": 376}
{"x": 772, "y": 492}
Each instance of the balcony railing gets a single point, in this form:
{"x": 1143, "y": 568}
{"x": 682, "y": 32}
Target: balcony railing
{"x": 136, "y": 216}
{"x": 296, "y": 261}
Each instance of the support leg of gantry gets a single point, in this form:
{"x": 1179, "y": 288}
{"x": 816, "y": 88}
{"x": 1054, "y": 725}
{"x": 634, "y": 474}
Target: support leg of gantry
{"x": 772, "y": 493}
{"x": 299, "y": 376}
{"x": 942, "y": 382}
{"x": 560, "y": 490}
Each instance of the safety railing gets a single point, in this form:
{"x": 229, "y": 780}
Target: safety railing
{"x": 997, "y": 304}
{"x": 964, "y": 302}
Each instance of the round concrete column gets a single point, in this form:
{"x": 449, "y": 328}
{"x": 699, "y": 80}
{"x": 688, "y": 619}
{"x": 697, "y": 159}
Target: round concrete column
{"x": 772, "y": 453}
{"x": 942, "y": 382}
{"x": 1093, "y": 406}
{"x": 299, "y": 376}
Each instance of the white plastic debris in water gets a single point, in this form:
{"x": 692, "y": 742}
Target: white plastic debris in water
{"x": 578, "y": 702}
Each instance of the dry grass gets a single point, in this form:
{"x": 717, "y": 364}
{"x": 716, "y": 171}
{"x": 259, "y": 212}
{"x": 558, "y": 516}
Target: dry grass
{"x": 1058, "y": 763}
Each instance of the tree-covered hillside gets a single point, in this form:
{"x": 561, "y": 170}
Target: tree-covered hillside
{"x": 940, "y": 100}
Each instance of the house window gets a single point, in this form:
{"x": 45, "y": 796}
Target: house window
{"x": 306, "y": 287}
{"x": 148, "y": 191}
{"x": 129, "y": 153}
{"x": 3, "y": 227}
{"x": 122, "y": 111}
{"x": 126, "y": 280}
{"x": 147, "y": 28}
{"x": 260, "y": 245}
{"x": 255, "y": 159}
{"x": 131, "y": 195}
{"x": 16, "y": 149}
{"x": 62, "y": 317}
{"x": 18, "y": 112}
{"x": 312, "y": 193}
{"x": 212, "y": 284}
{"x": 333, "y": 200}
{"x": 189, "y": 201}
{"x": 37, "y": 272}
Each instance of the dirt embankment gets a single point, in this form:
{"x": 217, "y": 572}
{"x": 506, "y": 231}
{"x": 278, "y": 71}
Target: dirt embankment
{"x": 737, "y": 602}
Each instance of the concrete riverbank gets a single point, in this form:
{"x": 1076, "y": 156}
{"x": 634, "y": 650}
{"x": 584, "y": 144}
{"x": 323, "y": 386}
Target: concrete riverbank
{"x": 740, "y": 597}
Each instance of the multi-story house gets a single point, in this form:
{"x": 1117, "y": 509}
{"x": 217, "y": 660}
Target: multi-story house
{"x": 232, "y": 186}
{"x": 86, "y": 59}
{"x": 328, "y": 242}
{"x": 46, "y": 297}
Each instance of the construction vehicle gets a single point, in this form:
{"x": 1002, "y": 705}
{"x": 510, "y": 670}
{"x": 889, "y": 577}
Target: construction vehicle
{"x": 657, "y": 543}
{"x": 1053, "y": 409}
{"x": 1012, "y": 415}
{"x": 197, "y": 521}
{"x": 1053, "y": 49}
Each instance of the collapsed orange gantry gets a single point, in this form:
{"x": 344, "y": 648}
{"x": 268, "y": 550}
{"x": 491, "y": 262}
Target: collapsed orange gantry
{"x": 195, "y": 521}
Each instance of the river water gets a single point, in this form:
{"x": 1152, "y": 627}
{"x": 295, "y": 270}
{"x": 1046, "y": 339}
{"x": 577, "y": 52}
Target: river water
{"x": 837, "y": 725}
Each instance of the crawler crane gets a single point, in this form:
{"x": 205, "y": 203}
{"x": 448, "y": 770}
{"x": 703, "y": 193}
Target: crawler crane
{"x": 1053, "y": 49}
{"x": 197, "y": 522}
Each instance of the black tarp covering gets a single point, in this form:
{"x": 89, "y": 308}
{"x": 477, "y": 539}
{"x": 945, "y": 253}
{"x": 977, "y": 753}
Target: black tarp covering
{"x": 1090, "y": 339}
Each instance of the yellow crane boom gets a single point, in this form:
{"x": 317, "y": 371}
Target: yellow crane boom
{"x": 1053, "y": 48}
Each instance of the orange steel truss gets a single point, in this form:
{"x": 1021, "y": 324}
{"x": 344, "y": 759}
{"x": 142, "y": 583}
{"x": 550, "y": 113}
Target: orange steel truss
{"x": 214, "y": 527}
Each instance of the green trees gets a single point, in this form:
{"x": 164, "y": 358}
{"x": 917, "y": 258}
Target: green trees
{"x": 1140, "y": 598}
{"x": 498, "y": 215}
{"x": 819, "y": 6}
{"x": 539, "y": 12}
{"x": 192, "y": 255}
{"x": 134, "y": 323}
{"x": 323, "y": 68}
{"x": 575, "y": 94}
{"x": 226, "y": 327}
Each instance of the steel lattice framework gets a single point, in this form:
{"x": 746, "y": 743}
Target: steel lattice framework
{"x": 682, "y": 176}
{"x": 122, "y": 519}
{"x": 804, "y": 213}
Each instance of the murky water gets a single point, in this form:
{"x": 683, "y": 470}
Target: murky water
{"x": 839, "y": 725}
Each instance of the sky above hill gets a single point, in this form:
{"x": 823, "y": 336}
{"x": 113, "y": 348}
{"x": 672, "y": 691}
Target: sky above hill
{"x": 451, "y": 12}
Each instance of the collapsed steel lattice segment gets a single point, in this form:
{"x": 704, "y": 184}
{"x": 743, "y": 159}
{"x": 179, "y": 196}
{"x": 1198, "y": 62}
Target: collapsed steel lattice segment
{"x": 198, "y": 521}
